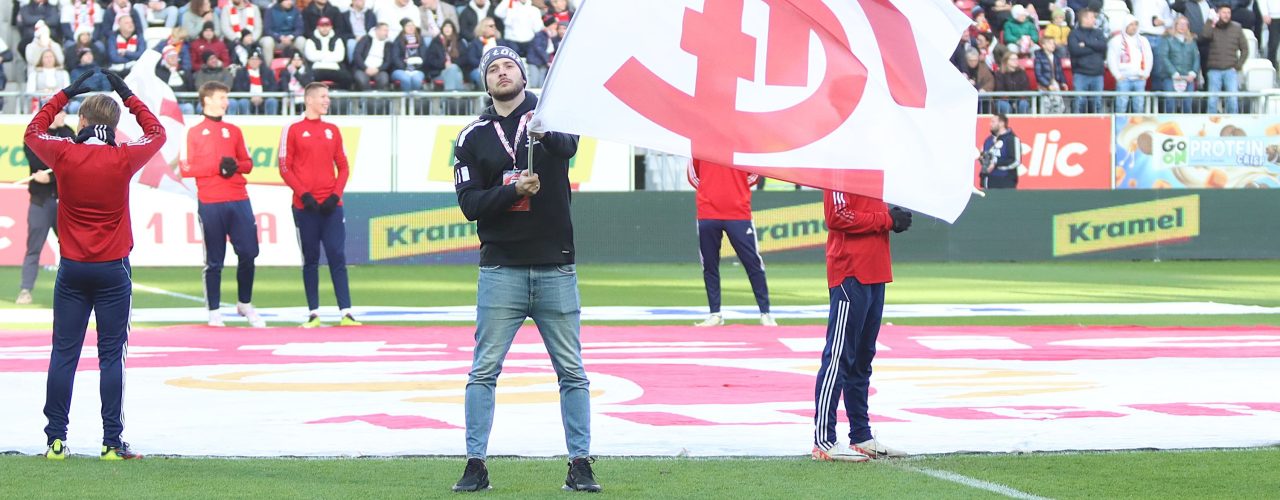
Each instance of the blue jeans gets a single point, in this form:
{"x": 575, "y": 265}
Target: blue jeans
{"x": 1087, "y": 83}
{"x": 506, "y": 295}
{"x": 1223, "y": 80}
{"x": 1178, "y": 104}
{"x": 452, "y": 76}
{"x": 409, "y": 80}
{"x": 476, "y": 78}
{"x": 270, "y": 106}
{"x": 1006, "y": 107}
{"x": 1122, "y": 101}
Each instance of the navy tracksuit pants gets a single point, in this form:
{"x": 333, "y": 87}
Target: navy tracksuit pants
{"x": 219, "y": 221}
{"x": 742, "y": 236}
{"x": 852, "y": 328}
{"x": 80, "y": 288}
{"x": 330, "y": 231}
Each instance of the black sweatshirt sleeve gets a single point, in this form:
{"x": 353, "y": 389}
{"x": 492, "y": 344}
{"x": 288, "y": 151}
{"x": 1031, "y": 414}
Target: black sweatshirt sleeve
{"x": 478, "y": 200}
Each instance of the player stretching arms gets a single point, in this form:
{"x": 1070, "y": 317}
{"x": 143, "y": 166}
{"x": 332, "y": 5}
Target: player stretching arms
{"x": 217, "y": 158}
{"x": 95, "y": 236}
{"x": 309, "y": 151}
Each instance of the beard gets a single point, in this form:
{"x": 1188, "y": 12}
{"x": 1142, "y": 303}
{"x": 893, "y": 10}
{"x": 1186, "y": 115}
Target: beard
{"x": 504, "y": 96}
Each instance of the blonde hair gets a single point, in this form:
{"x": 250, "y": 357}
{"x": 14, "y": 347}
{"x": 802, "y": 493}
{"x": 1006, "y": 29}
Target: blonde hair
{"x": 99, "y": 109}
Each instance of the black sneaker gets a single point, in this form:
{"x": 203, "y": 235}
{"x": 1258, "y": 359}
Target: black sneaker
{"x": 580, "y": 477}
{"x": 474, "y": 478}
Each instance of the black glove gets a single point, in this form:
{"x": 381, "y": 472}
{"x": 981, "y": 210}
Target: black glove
{"x": 228, "y": 167}
{"x": 78, "y": 87}
{"x": 901, "y": 219}
{"x": 309, "y": 203}
{"x": 329, "y": 204}
{"x": 119, "y": 86}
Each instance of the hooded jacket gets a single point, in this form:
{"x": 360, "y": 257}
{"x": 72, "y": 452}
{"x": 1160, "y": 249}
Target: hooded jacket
{"x": 1129, "y": 57}
{"x": 542, "y": 235}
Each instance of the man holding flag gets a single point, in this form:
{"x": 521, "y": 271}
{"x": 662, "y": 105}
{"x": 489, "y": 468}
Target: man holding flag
{"x": 526, "y": 260}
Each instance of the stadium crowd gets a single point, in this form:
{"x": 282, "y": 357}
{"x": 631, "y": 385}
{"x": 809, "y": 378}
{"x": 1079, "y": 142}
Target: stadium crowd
{"x": 258, "y": 46}
{"x": 1176, "y": 46}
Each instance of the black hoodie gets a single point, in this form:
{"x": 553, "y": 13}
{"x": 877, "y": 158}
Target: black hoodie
{"x": 543, "y": 235}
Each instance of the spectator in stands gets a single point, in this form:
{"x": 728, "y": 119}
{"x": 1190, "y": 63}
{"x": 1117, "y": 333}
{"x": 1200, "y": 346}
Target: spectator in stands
{"x": 157, "y": 13}
{"x": 1130, "y": 59}
{"x": 34, "y": 13}
{"x": 1021, "y": 32}
{"x": 1041, "y": 9}
{"x": 1228, "y": 51}
{"x": 254, "y": 79}
{"x": 84, "y": 55}
{"x": 178, "y": 43}
{"x": 997, "y": 12}
{"x": 393, "y": 12}
{"x": 171, "y": 72}
{"x": 125, "y": 47}
{"x": 111, "y": 17}
{"x": 208, "y": 42}
{"x": 471, "y": 15}
{"x": 1049, "y": 73}
{"x": 434, "y": 14}
{"x": 243, "y": 48}
{"x": 1181, "y": 57}
{"x": 212, "y": 70}
{"x": 411, "y": 51}
{"x": 6, "y": 55}
{"x": 199, "y": 13}
{"x": 1088, "y": 49}
{"x": 521, "y": 21}
{"x": 541, "y": 50}
{"x": 563, "y": 11}
{"x": 359, "y": 22}
{"x": 1269, "y": 10}
{"x": 78, "y": 15}
{"x": 312, "y": 13}
{"x": 327, "y": 55}
{"x": 41, "y": 42}
{"x": 1012, "y": 78}
{"x": 443, "y": 54}
{"x": 284, "y": 24}
{"x": 1058, "y": 30}
{"x": 983, "y": 44}
{"x": 242, "y": 16}
{"x": 374, "y": 60}
{"x": 1155, "y": 17}
{"x": 1198, "y": 12}
{"x": 979, "y": 73}
{"x": 47, "y": 76}
{"x": 295, "y": 77}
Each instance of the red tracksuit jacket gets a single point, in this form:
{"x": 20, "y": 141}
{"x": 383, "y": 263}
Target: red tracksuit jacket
{"x": 723, "y": 193}
{"x": 857, "y": 239}
{"x": 207, "y": 143}
{"x": 93, "y": 182}
{"x": 309, "y": 150}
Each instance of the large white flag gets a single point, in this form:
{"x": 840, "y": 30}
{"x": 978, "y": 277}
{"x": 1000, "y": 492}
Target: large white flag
{"x": 852, "y": 95}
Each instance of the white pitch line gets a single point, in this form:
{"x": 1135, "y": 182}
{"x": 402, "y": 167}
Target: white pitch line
{"x": 161, "y": 291}
{"x": 998, "y": 489}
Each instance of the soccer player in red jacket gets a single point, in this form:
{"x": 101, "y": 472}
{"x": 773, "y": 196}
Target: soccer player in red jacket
{"x": 858, "y": 266}
{"x": 218, "y": 160}
{"x": 724, "y": 206}
{"x": 96, "y": 237}
{"x": 309, "y": 151}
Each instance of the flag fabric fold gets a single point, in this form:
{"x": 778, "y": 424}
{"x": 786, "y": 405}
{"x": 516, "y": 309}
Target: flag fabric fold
{"x": 853, "y": 95}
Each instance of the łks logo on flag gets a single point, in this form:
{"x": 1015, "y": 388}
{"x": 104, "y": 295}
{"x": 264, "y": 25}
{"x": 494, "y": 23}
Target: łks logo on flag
{"x": 853, "y": 95}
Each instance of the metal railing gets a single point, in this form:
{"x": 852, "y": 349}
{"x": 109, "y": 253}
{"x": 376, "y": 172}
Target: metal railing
{"x": 472, "y": 103}
{"x": 286, "y": 104}
{"x": 1110, "y": 102}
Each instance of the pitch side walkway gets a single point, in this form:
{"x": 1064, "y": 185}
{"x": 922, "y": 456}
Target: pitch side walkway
{"x": 738, "y": 390}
